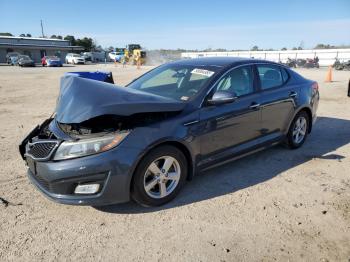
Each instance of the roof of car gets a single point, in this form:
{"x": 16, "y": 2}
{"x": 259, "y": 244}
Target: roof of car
{"x": 218, "y": 61}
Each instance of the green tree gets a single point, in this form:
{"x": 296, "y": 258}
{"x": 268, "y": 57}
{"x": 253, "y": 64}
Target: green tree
{"x": 87, "y": 43}
{"x": 255, "y": 48}
{"x": 284, "y": 49}
{"x": 71, "y": 39}
{"x": 6, "y": 34}
{"x": 322, "y": 46}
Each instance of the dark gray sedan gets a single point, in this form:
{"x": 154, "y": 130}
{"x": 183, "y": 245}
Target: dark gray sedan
{"x": 107, "y": 144}
{"x": 24, "y": 60}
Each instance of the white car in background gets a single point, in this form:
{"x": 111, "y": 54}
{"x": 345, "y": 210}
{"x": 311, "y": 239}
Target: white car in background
{"x": 72, "y": 58}
{"x": 115, "y": 56}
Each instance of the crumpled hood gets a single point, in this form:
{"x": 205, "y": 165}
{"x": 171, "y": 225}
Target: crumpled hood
{"x": 81, "y": 99}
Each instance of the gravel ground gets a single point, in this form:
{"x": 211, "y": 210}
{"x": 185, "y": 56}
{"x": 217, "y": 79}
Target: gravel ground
{"x": 274, "y": 205}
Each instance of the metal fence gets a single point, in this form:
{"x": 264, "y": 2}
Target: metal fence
{"x": 326, "y": 56}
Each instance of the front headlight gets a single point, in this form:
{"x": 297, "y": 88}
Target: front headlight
{"x": 88, "y": 146}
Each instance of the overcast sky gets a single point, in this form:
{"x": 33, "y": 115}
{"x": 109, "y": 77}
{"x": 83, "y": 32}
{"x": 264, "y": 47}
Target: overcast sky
{"x": 185, "y": 24}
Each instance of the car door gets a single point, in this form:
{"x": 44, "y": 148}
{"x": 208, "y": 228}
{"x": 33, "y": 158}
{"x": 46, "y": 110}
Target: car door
{"x": 277, "y": 98}
{"x": 223, "y": 127}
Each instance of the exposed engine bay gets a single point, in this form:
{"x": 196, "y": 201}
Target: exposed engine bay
{"x": 112, "y": 123}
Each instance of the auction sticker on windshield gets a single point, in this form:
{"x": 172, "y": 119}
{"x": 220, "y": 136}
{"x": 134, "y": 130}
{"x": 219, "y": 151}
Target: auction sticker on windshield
{"x": 202, "y": 72}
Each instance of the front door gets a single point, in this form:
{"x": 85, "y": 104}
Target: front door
{"x": 224, "y": 127}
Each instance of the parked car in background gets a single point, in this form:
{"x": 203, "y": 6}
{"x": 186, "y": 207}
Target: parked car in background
{"x": 72, "y": 58}
{"x": 87, "y": 56}
{"x": 24, "y": 60}
{"x": 107, "y": 144}
{"x": 10, "y": 57}
{"x": 115, "y": 56}
{"x": 94, "y": 56}
{"x": 51, "y": 61}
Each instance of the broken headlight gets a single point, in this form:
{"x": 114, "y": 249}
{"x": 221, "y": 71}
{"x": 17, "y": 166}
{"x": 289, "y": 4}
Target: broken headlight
{"x": 88, "y": 146}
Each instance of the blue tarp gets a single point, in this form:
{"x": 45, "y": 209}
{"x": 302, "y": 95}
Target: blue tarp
{"x": 99, "y": 76}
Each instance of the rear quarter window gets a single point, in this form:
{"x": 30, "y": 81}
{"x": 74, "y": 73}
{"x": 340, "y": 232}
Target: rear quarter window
{"x": 272, "y": 76}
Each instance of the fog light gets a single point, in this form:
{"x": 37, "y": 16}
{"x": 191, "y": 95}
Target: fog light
{"x": 87, "y": 189}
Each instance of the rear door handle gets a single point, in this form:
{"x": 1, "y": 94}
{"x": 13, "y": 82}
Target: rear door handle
{"x": 293, "y": 94}
{"x": 254, "y": 106}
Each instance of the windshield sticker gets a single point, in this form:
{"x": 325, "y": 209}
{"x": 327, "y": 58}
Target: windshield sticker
{"x": 184, "y": 98}
{"x": 202, "y": 72}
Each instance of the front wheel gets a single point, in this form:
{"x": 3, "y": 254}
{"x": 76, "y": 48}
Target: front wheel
{"x": 298, "y": 130}
{"x": 159, "y": 176}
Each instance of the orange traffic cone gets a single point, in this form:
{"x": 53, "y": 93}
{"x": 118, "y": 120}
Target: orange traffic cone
{"x": 329, "y": 75}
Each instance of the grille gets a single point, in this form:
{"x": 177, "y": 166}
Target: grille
{"x": 40, "y": 150}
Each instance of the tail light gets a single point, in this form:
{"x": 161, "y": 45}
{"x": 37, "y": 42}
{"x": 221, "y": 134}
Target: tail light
{"x": 315, "y": 86}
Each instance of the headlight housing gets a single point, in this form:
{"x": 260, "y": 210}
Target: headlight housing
{"x": 90, "y": 146}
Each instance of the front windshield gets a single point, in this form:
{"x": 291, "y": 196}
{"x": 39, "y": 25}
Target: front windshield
{"x": 52, "y": 57}
{"x": 180, "y": 82}
{"x": 76, "y": 55}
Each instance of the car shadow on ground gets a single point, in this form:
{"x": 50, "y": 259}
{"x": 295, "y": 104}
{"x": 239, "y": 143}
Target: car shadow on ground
{"x": 328, "y": 134}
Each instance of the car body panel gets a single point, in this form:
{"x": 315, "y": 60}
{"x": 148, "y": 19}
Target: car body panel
{"x": 229, "y": 125}
{"x": 208, "y": 135}
{"x": 82, "y": 99}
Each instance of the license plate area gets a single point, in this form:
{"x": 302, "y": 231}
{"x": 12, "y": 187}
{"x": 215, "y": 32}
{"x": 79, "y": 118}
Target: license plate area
{"x": 31, "y": 164}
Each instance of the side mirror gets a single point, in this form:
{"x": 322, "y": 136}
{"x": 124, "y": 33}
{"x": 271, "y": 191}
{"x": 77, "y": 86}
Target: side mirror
{"x": 222, "y": 97}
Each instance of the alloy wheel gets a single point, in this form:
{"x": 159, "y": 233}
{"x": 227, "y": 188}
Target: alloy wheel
{"x": 162, "y": 177}
{"x": 299, "y": 130}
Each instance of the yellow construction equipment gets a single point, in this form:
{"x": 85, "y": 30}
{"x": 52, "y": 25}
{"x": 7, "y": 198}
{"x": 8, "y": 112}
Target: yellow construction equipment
{"x": 133, "y": 52}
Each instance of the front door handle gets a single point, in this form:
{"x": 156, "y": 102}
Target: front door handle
{"x": 254, "y": 106}
{"x": 293, "y": 94}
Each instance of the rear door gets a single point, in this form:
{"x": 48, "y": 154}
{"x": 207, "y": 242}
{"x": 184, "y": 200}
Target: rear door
{"x": 278, "y": 98}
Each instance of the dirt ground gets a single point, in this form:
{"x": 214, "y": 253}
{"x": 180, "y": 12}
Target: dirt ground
{"x": 274, "y": 205}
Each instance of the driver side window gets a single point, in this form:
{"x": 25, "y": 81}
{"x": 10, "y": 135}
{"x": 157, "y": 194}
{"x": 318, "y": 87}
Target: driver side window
{"x": 239, "y": 81}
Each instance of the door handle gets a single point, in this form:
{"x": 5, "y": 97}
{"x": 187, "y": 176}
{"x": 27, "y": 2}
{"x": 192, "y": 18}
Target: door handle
{"x": 254, "y": 106}
{"x": 293, "y": 94}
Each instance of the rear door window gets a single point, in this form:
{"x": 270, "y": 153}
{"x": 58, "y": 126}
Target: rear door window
{"x": 271, "y": 76}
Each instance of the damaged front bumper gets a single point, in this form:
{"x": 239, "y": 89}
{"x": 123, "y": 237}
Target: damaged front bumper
{"x": 112, "y": 170}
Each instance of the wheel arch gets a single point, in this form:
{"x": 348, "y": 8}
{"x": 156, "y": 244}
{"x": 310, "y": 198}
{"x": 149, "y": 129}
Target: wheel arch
{"x": 175, "y": 143}
{"x": 309, "y": 113}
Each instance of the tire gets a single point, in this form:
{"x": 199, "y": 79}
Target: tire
{"x": 298, "y": 130}
{"x": 159, "y": 179}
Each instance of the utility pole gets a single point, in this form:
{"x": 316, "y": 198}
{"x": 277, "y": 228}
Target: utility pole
{"x": 42, "y": 28}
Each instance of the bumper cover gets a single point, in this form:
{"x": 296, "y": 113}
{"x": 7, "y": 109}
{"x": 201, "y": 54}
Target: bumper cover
{"x": 112, "y": 170}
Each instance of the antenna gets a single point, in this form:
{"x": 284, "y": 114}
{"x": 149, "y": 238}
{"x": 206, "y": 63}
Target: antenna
{"x": 42, "y": 28}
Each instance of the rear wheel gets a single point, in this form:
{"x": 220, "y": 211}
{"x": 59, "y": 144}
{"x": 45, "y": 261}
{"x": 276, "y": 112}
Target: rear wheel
{"x": 298, "y": 130}
{"x": 159, "y": 176}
